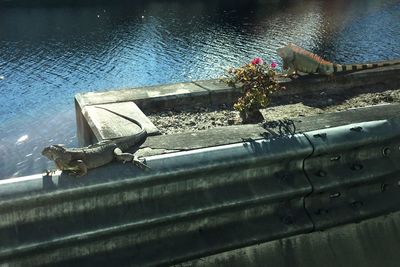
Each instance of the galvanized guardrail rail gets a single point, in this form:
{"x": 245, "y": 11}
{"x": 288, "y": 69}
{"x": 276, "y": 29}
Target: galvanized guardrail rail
{"x": 201, "y": 202}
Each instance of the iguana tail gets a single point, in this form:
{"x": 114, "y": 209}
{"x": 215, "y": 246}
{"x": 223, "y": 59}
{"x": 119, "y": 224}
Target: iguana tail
{"x": 133, "y": 140}
{"x": 355, "y": 67}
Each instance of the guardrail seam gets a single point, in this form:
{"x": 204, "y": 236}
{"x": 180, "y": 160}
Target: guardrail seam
{"x": 309, "y": 181}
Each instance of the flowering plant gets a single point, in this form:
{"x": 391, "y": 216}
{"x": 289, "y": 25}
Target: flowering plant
{"x": 257, "y": 81}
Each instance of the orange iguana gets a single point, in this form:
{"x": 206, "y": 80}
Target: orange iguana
{"x": 298, "y": 59}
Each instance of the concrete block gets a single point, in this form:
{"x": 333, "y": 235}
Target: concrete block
{"x": 84, "y": 132}
{"x": 107, "y": 125}
{"x": 151, "y": 98}
{"x": 173, "y": 96}
{"x": 220, "y": 92}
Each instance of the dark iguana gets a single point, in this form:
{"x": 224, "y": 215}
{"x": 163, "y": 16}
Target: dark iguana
{"x": 298, "y": 59}
{"x": 79, "y": 160}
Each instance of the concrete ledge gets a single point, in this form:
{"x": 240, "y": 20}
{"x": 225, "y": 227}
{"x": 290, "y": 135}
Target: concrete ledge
{"x": 96, "y": 123}
{"x": 235, "y": 134}
{"x": 99, "y": 120}
{"x": 211, "y": 93}
{"x": 385, "y": 77}
{"x": 94, "y": 127}
{"x": 214, "y": 92}
{"x": 162, "y": 96}
{"x": 220, "y": 92}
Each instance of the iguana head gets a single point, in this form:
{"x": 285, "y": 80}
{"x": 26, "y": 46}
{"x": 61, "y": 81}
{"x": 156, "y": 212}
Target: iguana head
{"x": 58, "y": 154}
{"x": 285, "y": 52}
{"x": 63, "y": 159}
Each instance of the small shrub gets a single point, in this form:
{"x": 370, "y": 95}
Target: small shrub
{"x": 257, "y": 81}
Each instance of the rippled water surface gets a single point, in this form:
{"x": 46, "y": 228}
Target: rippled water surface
{"x": 48, "y": 54}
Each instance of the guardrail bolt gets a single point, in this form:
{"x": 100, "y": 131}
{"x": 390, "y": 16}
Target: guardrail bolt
{"x": 335, "y": 158}
{"x": 386, "y": 151}
{"x": 357, "y": 204}
{"x": 320, "y": 135}
{"x": 288, "y": 219}
{"x": 281, "y": 176}
{"x": 356, "y": 129}
{"x": 384, "y": 187}
{"x": 334, "y": 195}
{"x": 356, "y": 167}
{"x": 321, "y": 211}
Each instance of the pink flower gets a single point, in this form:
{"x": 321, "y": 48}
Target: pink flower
{"x": 273, "y": 64}
{"x": 258, "y": 61}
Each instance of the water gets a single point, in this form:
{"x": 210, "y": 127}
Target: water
{"x": 48, "y": 54}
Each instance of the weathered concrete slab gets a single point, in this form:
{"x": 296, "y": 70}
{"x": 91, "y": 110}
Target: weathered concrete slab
{"x": 147, "y": 98}
{"x": 374, "y": 242}
{"x": 187, "y": 141}
{"x": 235, "y": 134}
{"x": 107, "y": 125}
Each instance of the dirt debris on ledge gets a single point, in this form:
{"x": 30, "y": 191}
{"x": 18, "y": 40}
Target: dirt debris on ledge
{"x": 203, "y": 118}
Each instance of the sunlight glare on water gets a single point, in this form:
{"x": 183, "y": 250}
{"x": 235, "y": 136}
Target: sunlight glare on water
{"x": 22, "y": 139}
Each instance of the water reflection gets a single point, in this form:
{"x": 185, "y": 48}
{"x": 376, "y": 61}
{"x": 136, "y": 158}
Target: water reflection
{"x": 22, "y": 139}
{"x": 49, "y": 54}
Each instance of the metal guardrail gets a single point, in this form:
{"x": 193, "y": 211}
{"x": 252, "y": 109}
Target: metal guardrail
{"x": 354, "y": 171}
{"x": 204, "y": 201}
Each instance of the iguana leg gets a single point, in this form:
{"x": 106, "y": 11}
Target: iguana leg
{"x": 291, "y": 73}
{"x": 77, "y": 168}
{"x": 290, "y": 70}
{"x": 121, "y": 156}
{"x": 129, "y": 157}
{"x": 331, "y": 77}
{"x": 140, "y": 163}
{"x": 82, "y": 168}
